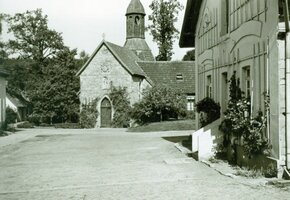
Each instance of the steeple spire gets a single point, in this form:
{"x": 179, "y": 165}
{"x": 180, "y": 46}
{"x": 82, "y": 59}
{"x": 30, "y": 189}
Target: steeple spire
{"x": 135, "y": 7}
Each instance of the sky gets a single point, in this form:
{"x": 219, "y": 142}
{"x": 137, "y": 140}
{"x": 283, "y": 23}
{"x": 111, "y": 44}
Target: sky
{"x": 84, "y": 22}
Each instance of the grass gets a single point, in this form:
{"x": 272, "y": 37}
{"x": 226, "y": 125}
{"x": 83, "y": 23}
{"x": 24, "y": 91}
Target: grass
{"x": 165, "y": 126}
{"x": 249, "y": 173}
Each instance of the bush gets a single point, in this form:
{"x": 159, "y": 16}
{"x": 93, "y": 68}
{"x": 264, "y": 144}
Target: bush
{"x": 209, "y": 109}
{"x": 34, "y": 119}
{"x": 68, "y": 125}
{"x": 159, "y": 103}
{"x": 89, "y": 115}
{"x": 11, "y": 116}
{"x": 239, "y": 123}
{"x": 190, "y": 115}
{"x": 121, "y": 104}
{"x": 25, "y": 125}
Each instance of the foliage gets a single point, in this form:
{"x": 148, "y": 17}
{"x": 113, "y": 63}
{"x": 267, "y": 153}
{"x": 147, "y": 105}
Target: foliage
{"x": 239, "y": 123}
{"x": 33, "y": 38}
{"x": 121, "y": 103}
{"x": 56, "y": 98}
{"x": 1, "y": 18}
{"x": 159, "y": 103}
{"x": 268, "y": 172}
{"x": 45, "y": 72}
{"x": 235, "y": 90}
{"x": 89, "y": 115}
{"x": 25, "y": 125}
{"x": 19, "y": 75}
{"x": 210, "y": 111}
{"x": 34, "y": 119}
{"x": 3, "y": 53}
{"x": 189, "y": 56}
{"x": 163, "y": 17}
{"x": 83, "y": 57}
{"x": 68, "y": 125}
{"x": 165, "y": 126}
{"x": 190, "y": 115}
{"x": 11, "y": 116}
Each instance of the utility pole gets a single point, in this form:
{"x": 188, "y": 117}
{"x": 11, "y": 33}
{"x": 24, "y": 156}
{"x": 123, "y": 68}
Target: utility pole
{"x": 287, "y": 82}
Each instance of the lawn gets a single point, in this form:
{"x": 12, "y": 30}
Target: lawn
{"x": 165, "y": 126}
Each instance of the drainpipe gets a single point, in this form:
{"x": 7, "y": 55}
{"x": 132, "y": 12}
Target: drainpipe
{"x": 287, "y": 83}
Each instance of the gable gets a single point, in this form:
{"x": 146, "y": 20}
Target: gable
{"x": 126, "y": 58}
{"x": 102, "y": 62}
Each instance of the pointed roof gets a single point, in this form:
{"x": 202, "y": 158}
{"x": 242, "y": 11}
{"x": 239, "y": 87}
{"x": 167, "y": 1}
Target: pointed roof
{"x": 17, "y": 102}
{"x": 125, "y": 57}
{"x": 135, "y": 7}
{"x": 140, "y": 47}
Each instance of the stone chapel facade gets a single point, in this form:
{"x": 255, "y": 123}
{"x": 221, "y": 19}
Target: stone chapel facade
{"x": 128, "y": 66}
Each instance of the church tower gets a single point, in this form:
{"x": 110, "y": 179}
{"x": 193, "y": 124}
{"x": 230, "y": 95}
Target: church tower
{"x": 135, "y": 39}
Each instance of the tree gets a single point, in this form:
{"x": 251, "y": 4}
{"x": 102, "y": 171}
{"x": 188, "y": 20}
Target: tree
{"x": 159, "y": 103}
{"x": 3, "y": 54}
{"x": 189, "y": 56}
{"x": 1, "y": 18}
{"x": 33, "y": 38}
{"x": 50, "y": 84}
{"x": 56, "y": 98}
{"x": 164, "y": 15}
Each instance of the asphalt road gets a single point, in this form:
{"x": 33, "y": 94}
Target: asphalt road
{"x": 101, "y": 164}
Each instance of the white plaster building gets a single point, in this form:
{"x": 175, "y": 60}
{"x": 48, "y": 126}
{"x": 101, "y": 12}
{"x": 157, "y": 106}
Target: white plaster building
{"x": 245, "y": 36}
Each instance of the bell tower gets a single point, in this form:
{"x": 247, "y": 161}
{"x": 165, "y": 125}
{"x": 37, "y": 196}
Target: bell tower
{"x": 135, "y": 38}
{"x": 135, "y": 20}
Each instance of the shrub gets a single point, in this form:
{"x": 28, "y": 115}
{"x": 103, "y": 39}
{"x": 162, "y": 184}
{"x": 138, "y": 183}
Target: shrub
{"x": 89, "y": 115}
{"x": 121, "y": 104}
{"x": 68, "y": 125}
{"x": 239, "y": 123}
{"x": 3, "y": 126}
{"x": 159, "y": 103}
{"x": 190, "y": 115}
{"x": 11, "y": 116}
{"x": 25, "y": 125}
{"x": 209, "y": 109}
{"x": 35, "y": 119}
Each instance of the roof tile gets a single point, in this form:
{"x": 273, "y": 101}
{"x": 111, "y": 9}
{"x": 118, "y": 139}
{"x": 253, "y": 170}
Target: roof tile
{"x": 165, "y": 73}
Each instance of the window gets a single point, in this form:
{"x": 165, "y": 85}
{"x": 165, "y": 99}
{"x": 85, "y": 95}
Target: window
{"x": 247, "y": 82}
{"x": 247, "y": 88}
{"x": 105, "y": 83}
{"x": 190, "y": 103}
{"x": 209, "y": 86}
{"x": 224, "y": 91}
{"x": 224, "y": 17}
{"x": 179, "y": 77}
{"x": 137, "y": 20}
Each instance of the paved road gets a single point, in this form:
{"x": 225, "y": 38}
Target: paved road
{"x": 50, "y": 164}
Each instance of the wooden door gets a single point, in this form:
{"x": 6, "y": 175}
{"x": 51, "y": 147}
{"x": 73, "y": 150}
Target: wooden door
{"x": 106, "y": 113}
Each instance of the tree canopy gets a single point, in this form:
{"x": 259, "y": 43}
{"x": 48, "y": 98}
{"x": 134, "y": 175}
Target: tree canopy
{"x": 45, "y": 69}
{"x": 163, "y": 17}
{"x": 159, "y": 103}
{"x": 189, "y": 56}
{"x": 32, "y": 37}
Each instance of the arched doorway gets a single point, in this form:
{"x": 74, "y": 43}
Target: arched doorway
{"x": 106, "y": 113}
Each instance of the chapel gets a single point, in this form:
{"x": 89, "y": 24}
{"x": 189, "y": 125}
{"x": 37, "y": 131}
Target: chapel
{"x": 132, "y": 66}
